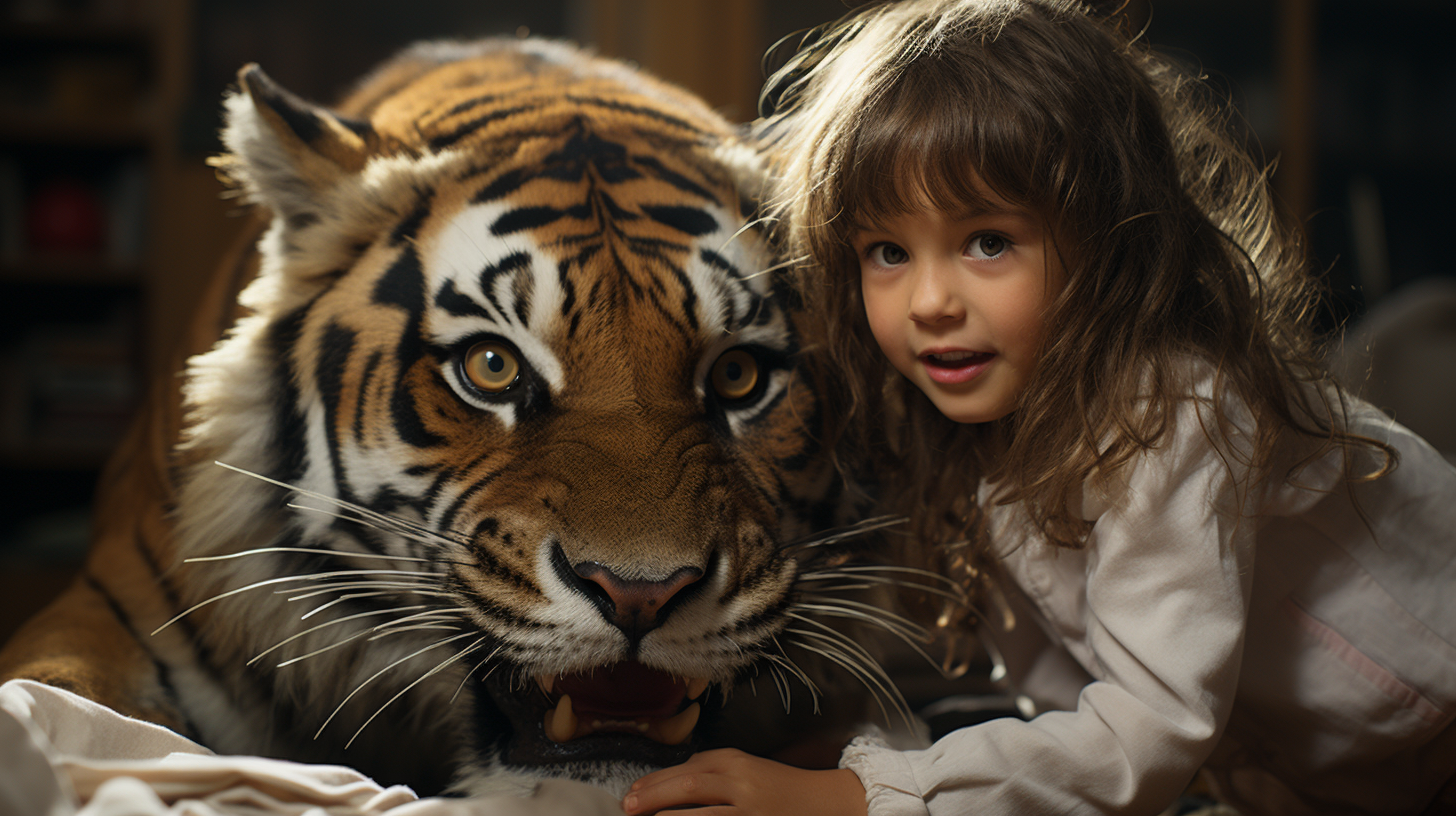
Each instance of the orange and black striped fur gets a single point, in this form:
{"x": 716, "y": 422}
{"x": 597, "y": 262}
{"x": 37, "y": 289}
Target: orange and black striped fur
{"x": 519, "y": 472}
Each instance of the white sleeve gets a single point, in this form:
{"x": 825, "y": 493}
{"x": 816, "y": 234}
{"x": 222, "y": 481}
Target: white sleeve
{"x": 1154, "y": 608}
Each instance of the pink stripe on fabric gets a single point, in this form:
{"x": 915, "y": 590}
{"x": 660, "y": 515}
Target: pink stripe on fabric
{"x": 1369, "y": 669}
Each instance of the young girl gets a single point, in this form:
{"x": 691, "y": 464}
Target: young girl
{"x": 1069, "y": 317}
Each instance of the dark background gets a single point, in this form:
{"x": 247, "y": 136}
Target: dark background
{"x": 110, "y": 221}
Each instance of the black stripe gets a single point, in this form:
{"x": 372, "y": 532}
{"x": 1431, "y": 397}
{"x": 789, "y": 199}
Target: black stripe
{"x": 500, "y": 612}
{"x": 457, "y": 304}
{"x": 720, "y": 263}
{"x": 568, "y": 289}
{"x": 403, "y": 286}
{"x": 689, "y": 299}
{"x": 691, "y": 220}
{"x": 677, "y": 180}
{"x": 290, "y": 427}
{"x": 447, "y": 521}
{"x": 406, "y": 230}
{"x": 462, "y": 107}
{"x": 615, "y": 212}
{"x": 445, "y": 140}
{"x": 503, "y": 185}
{"x": 335, "y": 348}
{"x": 650, "y": 113}
{"x": 162, "y": 671}
{"x": 525, "y": 218}
{"x": 371, "y": 367}
{"x": 521, "y": 290}
{"x": 510, "y": 264}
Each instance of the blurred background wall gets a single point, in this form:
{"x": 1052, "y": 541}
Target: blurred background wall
{"x": 110, "y": 221}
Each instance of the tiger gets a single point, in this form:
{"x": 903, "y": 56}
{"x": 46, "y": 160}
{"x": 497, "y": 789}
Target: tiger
{"x": 500, "y": 454}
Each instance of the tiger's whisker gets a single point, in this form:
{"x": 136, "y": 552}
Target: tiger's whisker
{"x": 473, "y": 669}
{"x": 373, "y": 633}
{"x": 431, "y": 619}
{"x": 427, "y": 675}
{"x": 827, "y": 636}
{"x": 378, "y": 674}
{"x": 856, "y": 569}
{"x": 794, "y": 667}
{"x": 954, "y": 597}
{"x": 312, "y": 550}
{"x": 859, "y": 528}
{"x": 260, "y": 584}
{"x": 839, "y": 637}
{"x": 774, "y": 268}
{"x": 329, "y": 648}
{"x": 351, "y": 597}
{"x": 788, "y": 665}
{"x": 390, "y": 521}
{"x": 325, "y": 625}
{"x": 422, "y": 627}
{"x": 748, "y": 225}
{"x": 379, "y": 521}
{"x": 911, "y": 634}
{"x": 389, "y": 586}
{"x": 409, "y": 622}
{"x": 877, "y": 690}
{"x": 875, "y": 615}
{"x": 437, "y": 612}
{"x": 780, "y": 684}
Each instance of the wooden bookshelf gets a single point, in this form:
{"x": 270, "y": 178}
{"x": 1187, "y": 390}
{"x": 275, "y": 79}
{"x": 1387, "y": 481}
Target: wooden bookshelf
{"x": 89, "y": 92}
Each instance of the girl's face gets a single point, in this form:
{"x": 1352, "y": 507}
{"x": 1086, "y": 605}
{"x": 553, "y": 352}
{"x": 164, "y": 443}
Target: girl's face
{"x": 957, "y": 302}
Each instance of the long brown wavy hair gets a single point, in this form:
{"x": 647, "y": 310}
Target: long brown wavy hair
{"x": 1165, "y": 224}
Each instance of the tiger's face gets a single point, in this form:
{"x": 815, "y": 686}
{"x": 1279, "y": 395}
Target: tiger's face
{"x": 514, "y": 345}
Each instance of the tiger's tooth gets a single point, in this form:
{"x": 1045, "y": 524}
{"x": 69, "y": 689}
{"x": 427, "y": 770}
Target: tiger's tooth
{"x": 561, "y": 722}
{"x": 696, "y": 687}
{"x": 547, "y": 681}
{"x": 676, "y": 730}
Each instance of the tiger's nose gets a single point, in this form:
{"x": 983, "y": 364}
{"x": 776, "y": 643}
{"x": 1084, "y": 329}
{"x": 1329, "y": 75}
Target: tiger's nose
{"x": 634, "y": 606}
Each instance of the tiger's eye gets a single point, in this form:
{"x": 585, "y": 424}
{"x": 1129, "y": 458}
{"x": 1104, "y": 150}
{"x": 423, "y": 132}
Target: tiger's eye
{"x": 735, "y": 374}
{"x": 492, "y": 367}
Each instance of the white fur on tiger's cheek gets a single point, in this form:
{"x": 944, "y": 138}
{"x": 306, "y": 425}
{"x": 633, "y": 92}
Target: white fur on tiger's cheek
{"x": 726, "y": 270}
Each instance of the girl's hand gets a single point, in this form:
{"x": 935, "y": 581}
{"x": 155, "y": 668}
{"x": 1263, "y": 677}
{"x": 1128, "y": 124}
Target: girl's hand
{"x": 728, "y": 781}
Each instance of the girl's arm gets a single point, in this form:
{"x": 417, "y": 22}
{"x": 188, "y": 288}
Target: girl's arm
{"x": 727, "y": 781}
{"x": 1154, "y": 607}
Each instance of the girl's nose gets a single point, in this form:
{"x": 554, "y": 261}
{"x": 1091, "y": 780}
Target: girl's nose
{"x": 933, "y": 299}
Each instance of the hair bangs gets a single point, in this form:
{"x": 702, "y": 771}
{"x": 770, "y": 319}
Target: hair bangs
{"x": 933, "y": 139}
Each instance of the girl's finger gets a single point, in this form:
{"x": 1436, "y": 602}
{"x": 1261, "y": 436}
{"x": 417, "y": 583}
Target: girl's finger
{"x": 705, "y": 762}
{"x": 685, "y": 789}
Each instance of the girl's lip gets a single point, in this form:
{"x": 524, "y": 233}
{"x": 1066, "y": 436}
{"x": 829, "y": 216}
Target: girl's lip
{"x": 954, "y": 371}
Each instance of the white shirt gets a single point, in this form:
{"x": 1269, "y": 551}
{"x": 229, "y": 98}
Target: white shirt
{"x": 1307, "y": 664}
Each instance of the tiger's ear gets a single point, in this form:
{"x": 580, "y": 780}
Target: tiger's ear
{"x": 285, "y": 151}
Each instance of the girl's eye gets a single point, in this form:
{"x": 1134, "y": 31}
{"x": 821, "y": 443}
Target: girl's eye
{"x": 888, "y": 255}
{"x": 735, "y": 374}
{"x": 986, "y": 247}
{"x": 491, "y": 366}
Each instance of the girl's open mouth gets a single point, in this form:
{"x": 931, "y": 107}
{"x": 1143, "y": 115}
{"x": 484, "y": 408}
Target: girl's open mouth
{"x": 952, "y": 367}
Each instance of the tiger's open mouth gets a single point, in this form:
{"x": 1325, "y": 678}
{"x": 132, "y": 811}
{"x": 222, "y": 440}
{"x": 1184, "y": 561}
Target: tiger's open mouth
{"x": 625, "y": 711}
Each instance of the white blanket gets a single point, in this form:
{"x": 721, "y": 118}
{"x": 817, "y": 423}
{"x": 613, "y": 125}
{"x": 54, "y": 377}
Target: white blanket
{"x": 64, "y": 755}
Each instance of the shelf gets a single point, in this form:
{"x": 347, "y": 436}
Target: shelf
{"x": 72, "y": 270}
{"x": 78, "y": 30}
{"x": 26, "y": 126}
{"x": 55, "y": 456}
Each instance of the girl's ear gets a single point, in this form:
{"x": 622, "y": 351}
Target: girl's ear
{"x": 288, "y": 153}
